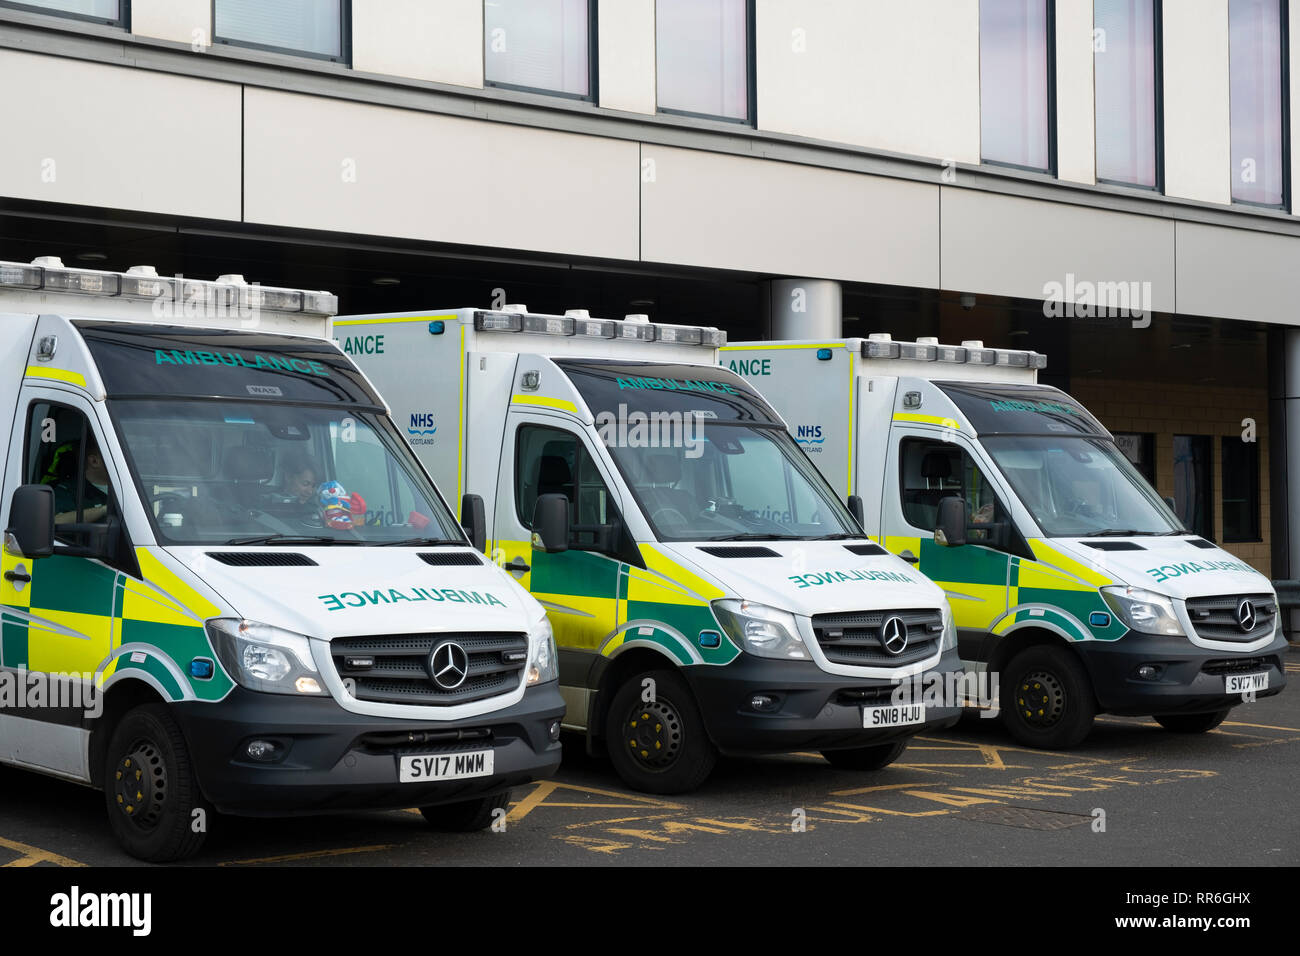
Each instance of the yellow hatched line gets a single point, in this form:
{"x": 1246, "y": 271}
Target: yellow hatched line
{"x": 309, "y": 855}
{"x": 31, "y": 855}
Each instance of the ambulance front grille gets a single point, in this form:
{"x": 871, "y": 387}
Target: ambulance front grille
{"x": 1218, "y": 618}
{"x": 853, "y": 637}
{"x": 395, "y": 668}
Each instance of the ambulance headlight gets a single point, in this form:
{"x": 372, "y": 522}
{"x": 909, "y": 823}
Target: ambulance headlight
{"x": 1143, "y": 611}
{"x": 949, "y": 630}
{"x": 265, "y": 658}
{"x": 543, "y": 662}
{"x": 761, "y": 630}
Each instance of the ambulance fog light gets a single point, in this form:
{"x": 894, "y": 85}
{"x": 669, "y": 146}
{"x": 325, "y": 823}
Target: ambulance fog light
{"x": 554, "y": 731}
{"x": 263, "y": 751}
{"x": 1150, "y": 672}
{"x": 764, "y": 703}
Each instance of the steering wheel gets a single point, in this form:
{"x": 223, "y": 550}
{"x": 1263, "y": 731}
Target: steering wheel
{"x": 1077, "y": 508}
{"x": 161, "y": 496}
{"x": 679, "y": 517}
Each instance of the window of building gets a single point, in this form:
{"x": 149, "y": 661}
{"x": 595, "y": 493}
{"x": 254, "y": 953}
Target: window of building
{"x": 1193, "y": 485}
{"x": 1140, "y": 450}
{"x": 112, "y": 12}
{"x": 1257, "y": 99}
{"x": 1240, "y": 490}
{"x": 315, "y": 28}
{"x": 1126, "y": 70}
{"x": 704, "y": 58}
{"x": 544, "y": 45}
{"x": 1016, "y": 83}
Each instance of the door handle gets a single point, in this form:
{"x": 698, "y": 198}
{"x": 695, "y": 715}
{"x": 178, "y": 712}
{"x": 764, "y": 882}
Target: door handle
{"x": 23, "y": 576}
{"x": 517, "y": 564}
{"x": 909, "y": 557}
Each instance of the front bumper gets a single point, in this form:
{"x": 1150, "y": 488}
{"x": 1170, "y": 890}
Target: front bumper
{"x": 814, "y": 710}
{"x": 1191, "y": 679}
{"x": 332, "y": 764}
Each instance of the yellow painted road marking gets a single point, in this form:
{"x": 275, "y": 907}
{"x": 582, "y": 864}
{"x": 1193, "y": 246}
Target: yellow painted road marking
{"x": 547, "y": 787}
{"x": 1237, "y": 723}
{"x": 31, "y": 855}
{"x": 310, "y": 855}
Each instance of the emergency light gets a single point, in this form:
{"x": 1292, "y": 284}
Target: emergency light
{"x": 49, "y": 274}
{"x": 880, "y": 345}
{"x": 577, "y": 322}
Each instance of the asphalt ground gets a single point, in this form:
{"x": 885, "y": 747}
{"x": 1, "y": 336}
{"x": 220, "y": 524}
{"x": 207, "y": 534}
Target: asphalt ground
{"x": 1132, "y": 795}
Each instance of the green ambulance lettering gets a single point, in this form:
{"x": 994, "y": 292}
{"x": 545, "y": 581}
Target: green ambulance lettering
{"x": 835, "y": 577}
{"x": 346, "y": 599}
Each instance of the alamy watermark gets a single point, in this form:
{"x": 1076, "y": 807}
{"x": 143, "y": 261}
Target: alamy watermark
{"x": 637, "y": 429}
{"x": 1084, "y": 299}
{"x": 21, "y": 690}
{"x": 954, "y": 689}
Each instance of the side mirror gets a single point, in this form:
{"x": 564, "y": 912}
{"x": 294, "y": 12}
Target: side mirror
{"x": 951, "y": 528}
{"x": 474, "y": 520}
{"x": 551, "y": 524}
{"x": 31, "y": 521}
{"x": 855, "y": 509}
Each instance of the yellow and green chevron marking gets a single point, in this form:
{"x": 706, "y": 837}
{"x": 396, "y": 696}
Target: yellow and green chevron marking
{"x": 78, "y": 615}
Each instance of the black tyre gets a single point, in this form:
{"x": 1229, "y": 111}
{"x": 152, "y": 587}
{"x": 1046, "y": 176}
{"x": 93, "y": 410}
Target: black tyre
{"x": 466, "y": 816}
{"x": 1047, "y": 699}
{"x": 150, "y": 789}
{"x": 660, "y": 745}
{"x": 1191, "y": 723}
{"x": 865, "y": 758}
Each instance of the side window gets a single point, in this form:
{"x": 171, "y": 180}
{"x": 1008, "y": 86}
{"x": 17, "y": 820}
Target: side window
{"x": 62, "y": 452}
{"x": 931, "y": 471}
{"x": 549, "y": 461}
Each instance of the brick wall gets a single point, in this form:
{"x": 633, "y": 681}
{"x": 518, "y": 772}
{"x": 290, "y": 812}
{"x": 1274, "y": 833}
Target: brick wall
{"x": 1170, "y": 409}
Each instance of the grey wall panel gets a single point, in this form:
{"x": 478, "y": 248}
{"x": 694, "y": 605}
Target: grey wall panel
{"x": 119, "y": 138}
{"x": 728, "y": 212}
{"x": 348, "y": 167}
{"x": 1237, "y": 274}
{"x": 1007, "y": 245}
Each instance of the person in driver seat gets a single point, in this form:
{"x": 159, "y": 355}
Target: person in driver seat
{"x": 62, "y": 477}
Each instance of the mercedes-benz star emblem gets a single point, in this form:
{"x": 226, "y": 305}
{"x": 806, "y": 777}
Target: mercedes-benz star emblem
{"x": 893, "y": 635}
{"x": 1246, "y": 616}
{"x": 448, "y": 665}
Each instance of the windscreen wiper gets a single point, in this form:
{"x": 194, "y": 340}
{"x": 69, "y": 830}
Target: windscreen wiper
{"x": 757, "y": 536}
{"x": 419, "y": 542}
{"x": 1118, "y": 533}
{"x": 840, "y": 536}
{"x": 291, "y": 539}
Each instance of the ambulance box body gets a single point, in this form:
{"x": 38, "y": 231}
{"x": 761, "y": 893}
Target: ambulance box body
{"x": 1067, "y": 574}
{"x": 250, "y": 592}
{"x": 708, "y": 591}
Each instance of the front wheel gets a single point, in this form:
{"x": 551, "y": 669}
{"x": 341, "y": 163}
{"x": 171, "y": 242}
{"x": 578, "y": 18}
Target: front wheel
{"x": 1047, "y": 699}
{"x": 155, "y": 808}
{"x": 865, "y": 758}
{"x": 655, "y": 734}
{"x": 466, "y": 816}
{"x": 1191, "y": 723}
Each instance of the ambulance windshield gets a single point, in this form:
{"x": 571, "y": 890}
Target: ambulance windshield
{"x": 705, "y": 481}
{"x": 1080, "y": 487}
{"x": 257, "y": 472}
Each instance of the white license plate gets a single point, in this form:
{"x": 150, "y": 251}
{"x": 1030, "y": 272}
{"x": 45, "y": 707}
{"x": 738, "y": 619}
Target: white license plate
{"x": 895, "y": 715}
{"x": 423, "y": 768}
{"x": 1241, "y": 683}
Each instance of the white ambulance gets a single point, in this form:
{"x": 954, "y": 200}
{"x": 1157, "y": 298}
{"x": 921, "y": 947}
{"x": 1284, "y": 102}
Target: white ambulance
{"x": 708, "y": 591}
{"x": 227, "y": 582}
{"x": 1068, "y": 576}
